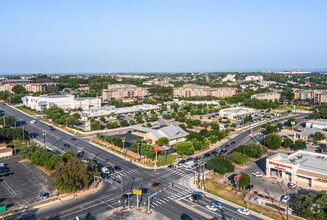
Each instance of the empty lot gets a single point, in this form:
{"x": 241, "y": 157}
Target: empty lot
{"x": 24, "y": 186}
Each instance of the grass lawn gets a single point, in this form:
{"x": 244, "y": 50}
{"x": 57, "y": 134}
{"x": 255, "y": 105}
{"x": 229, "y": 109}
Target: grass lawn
{"x": 170, "y": 159}
{"x": 30, "y": 112}
{"x": 220, "y": 190}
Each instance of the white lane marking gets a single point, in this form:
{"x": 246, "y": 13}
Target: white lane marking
{"x": 166, "y": 199}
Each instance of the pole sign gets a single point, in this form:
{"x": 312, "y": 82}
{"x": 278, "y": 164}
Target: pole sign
{"x": 237, "y": 177}
{"x": 292, "y": 123}
{"x": 156, "y": 149}
{"x": 2, "y": 208}
{"x": 137, "y": 191}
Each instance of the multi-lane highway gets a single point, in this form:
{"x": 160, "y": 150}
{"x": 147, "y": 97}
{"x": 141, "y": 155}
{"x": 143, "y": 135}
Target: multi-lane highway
{"x": 171, "y": 202}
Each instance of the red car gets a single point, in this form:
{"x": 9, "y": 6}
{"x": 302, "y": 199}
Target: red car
{"x": 73, "y": 139}
{"x": 227, "y": 146}
{"x": 155, "y": 184}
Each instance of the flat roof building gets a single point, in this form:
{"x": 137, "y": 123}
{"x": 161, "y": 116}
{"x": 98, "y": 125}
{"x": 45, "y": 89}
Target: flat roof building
{"x": 43, "y": 102}
{"x": 302, "y": 167}
{"x": 267, "y": 96}
{"x": 236, "y": 113}
{"x": 189, "y": 90}
{"x": 121, "y": 91}
{"x": 320, "y": 123}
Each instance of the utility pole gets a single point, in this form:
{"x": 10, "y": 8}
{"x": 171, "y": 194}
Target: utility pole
{"x": 23, "y": 135}
{"x": 204, "y": 185}
{"x": 122, "y": 189}
{"x": 198, "y": 169}
{"x": 44, "y": 133}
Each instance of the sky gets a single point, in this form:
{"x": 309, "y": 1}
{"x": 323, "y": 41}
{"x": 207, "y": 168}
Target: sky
{"x": 60, "y": 36}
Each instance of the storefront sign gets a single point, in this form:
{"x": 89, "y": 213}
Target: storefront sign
{"x": 280, "y": 166}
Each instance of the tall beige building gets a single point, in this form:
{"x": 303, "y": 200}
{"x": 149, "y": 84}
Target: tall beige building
{"x": 121, "y": 91}
{"x": 267, "y": 96}
{"x": 189, "y": 90}
{"x": 315, "y": 96}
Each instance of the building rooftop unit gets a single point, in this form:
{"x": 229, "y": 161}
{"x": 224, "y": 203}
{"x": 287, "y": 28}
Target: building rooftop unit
{"x": 307, "y": 160}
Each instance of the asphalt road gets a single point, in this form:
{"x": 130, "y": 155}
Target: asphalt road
{"x": 108, "y": 196}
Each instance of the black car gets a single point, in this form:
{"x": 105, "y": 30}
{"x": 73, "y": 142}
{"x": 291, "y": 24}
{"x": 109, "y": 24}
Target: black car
{"x": 4, "y": 170}
{"x": 222, "y": 151}
{"x": 67, "y": 145}
{"x": 182, "y": 161}
{"x": 6, "y": 174}
{"x": 233, "y": 142}
{"x": 117, "y": 168}
{"x": 185, "y": 217}
{"x": 197, "y": 196}
{"x": 188, "y": 159}
{"x": 214, "y": 153}
{"x": 170, "y": 166}
{"x": 206, "y": 155}
{"x": 249, "y": 187}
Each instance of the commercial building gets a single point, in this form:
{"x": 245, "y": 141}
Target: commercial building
{"x": 307, "y": 134}
{"x": 213, "y": 103}
{"x": 267, "y": 96}
{"x": 229, "y": 78}
{"x": 320, "y": 124}
{"x": 106, "y": 111}
{"x": 253, "y": 78}
{"x": 43, "y": 102}
{"x": 121, "y": 91}
{"x": 7, "y": 85}
{"x": 301, "y": 167}
{"x": 189, "y": 90}
{"x": 159, "y": 82}
{"x": 236, "y": 113}
{"x": 5, "y": 151}
{"x": 172, "y": 132}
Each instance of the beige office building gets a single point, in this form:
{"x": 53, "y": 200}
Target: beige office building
{"x": 7, "y": 85}
{"x": 267, "y": 96}
{"x": 189, "y": 90}
{"x": 121, "y": 91}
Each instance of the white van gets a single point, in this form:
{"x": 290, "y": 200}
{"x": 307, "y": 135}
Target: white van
{"x": 33, "y": 122}
{"x": 105, "y": 170}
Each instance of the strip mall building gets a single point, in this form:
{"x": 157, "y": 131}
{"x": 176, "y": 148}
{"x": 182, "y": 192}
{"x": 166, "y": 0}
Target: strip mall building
{"x": 301, "y": 167}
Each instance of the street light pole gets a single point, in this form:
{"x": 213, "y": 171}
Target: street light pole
{"x": 123, "y": 147}
{"x": 44, "y": 133}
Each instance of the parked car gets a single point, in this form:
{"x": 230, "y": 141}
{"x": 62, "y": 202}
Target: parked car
{"x": 185, "y": 217}
{"x": 211, "y": 207}
{"x": 217, "y": 204}
{"x": 206, "y": 155}
{"x": 117, "y": 168}
{"x": 84, "y": 160}
{"x": 291, "y": 185}
{"x": 182, "y": 161}
{"x": 243, "y": 211}
{"x": 222, "y": 151}
{"x": 6, "y": 174}
{"x": 155, "y": 184}
{"x": 227, "y": 146}
{"x": 285, "y": 198}
{"x": 44, "y": 195}
{"x": 257, "y": 174}
{"x": 129, "y": 132}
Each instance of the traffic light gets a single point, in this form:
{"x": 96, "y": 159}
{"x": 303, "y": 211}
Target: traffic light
{"x": 110, "y": 181}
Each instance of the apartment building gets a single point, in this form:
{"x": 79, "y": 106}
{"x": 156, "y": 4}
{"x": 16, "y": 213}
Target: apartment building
{"x": 121, "y": 91}
{"x": 253, "y": 78}
{"x": 316, "y": 96}
{"x": 189, "y": 90}
{"x": 43, "y": 102}
{"x": 7, "y": 85}
{"x": 159, "y": 82}
{"x": 267, "y": 96}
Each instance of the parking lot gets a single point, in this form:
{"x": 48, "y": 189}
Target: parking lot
{"x": 24, "y": 186}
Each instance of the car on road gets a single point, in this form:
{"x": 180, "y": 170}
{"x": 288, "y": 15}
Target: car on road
{"x": 33, "y": 122}
{"x": 222, "y": 151}
{"x": 84, "y": 160}
{"x": 185, "y": 217}
{"x": 104, "y": 176}
{"x": 155, "y": 184}
{"x": 257, "y": 174}
{"x": 217, "y": 204}
{"x": 214, "y": 153}
{"x": 197, "y": 196}
{"x": 105, "y": 170}
{"x": 44, "y": 195}
{"x": 194, "y": 199}
{"x": 227, "y": 146}
{"x": 6, "y": 174}
{"x": 243, "y": 211}
{"x": 188, "y": 159}
{"x": 73, "y": 139}
{"x": 67, "y": 145}
{"x": 51, "y": 128}
{"x": 117, "y": 168}
{"x": 171, "y": 165}
{"x": 233, "y": 142}
{"x": 182, "y": 161}
{"x": 4, "y": 170}
{"x": 284, "y": 198}
{"x": 111, "y": 169}
{"x": 291, "y": 185}
{"x": 211, "y": 207}
{"x": 206, "y": 155}
{"x": 199, "y": 193}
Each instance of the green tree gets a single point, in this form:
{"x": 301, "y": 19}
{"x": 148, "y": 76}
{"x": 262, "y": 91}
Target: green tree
{"x": 248, "y": 118}
{"x": 288, "y": 143}
{"x": 299, "y": 145}
{"x": 149, "y": 125}
{"x": 96, "y": 125}
{"x": 118, "y": 142}
{"x": 273, "y": 141}
{"x": 18, "y": 89}
{"x": 182, "y": 126}
{"x": 220, "y": 165}
{"x": 289, "y": 121}
{"x": 184, "y": 147}
{"x": 214, "y": 126}
{"x": 244, "y": 180}
{"x": 102, "y": 119}
{"x": 8, "y": 121}
{"x": 240, "y": 158}
{"x": 279, "y": 126}
{"x": 153, "y": 117}
{"x": 318, "y": 136}
{"x": 123, "y": 123}
{"x": 162, "y": 141}
{"x": 270, "y": 129}
{"x": 222, "y": 102}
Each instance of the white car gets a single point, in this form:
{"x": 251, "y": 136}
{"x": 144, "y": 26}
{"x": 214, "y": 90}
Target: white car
{"x": 105, "y": 170}
{"x": 291, "y": 185}
{"x": 243, "y": 211}
{"x": 33, "y": 122}
{"x": 257, "y": 174}
{"x": 211, "y": 207}
{"x": 285, "y": 198}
